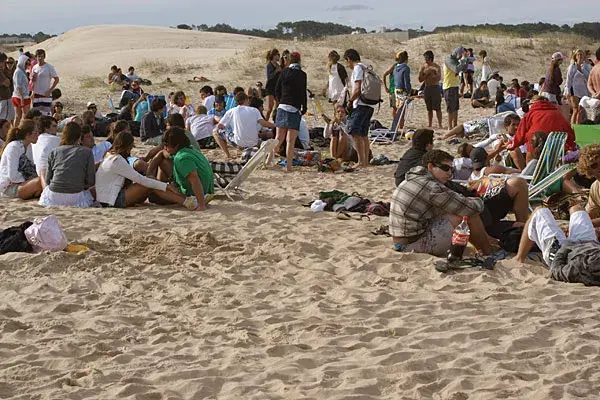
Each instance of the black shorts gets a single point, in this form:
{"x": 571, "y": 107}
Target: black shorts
{"x": 451, "y": 98}
{"x": 499, "y": 205}
{"x": 433, "y": 98}
{"x": 469, "y": 75}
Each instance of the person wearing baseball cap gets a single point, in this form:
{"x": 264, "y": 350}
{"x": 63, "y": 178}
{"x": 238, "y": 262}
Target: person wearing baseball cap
{"x": 500, "y": 195}
{"x": 551, "y": 89}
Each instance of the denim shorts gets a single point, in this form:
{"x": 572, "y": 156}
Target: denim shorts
{"x": 359, "y": 120}
{"x": 288, "y": 120}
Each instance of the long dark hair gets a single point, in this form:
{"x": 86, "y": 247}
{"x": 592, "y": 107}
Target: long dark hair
{"x": 122, "y": 144}
{"x": 26, "y": 127}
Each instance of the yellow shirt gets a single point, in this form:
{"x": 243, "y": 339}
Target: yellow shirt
{"x": 593, "y": 204}
{"x": 450, "y": 78}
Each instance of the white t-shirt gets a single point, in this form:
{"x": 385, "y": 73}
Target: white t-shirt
{"x": 209, "y": 102}
{"x": 244, "y": 122}
{"x": 45, "y": 73}
{"x": 201, "y": 126}
{"x": 9, "y": 164}
{"x": 357, "y": 75}
{"x": 41, "y": 150}
{"x": 336, "y": 87}
{"x": 493, "y": 86}
{"x": 303, "y": 134}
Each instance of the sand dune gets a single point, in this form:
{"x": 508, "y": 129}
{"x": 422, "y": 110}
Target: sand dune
{"x": 263, "y": 299}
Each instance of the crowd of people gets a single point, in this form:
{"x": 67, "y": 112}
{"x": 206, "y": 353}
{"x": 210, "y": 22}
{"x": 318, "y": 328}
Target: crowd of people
{"x": 428, "y": 202}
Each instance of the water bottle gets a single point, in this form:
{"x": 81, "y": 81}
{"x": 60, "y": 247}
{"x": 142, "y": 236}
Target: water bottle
{"x": 460, "y": 239}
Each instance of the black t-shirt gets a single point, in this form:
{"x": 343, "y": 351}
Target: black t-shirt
{"x": 5, "y": 90}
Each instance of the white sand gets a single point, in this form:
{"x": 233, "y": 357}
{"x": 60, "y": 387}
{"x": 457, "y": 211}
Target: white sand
{"x": 262, "y": 299}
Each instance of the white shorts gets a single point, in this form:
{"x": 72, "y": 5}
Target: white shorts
{"x": 544, "y": 230}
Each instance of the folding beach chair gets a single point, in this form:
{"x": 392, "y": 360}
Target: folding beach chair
{"x": 111, "y": 104}
{"x": 233, "y": 187}
{"x": 536, "y": 191}
{"x": 383, "y": 135}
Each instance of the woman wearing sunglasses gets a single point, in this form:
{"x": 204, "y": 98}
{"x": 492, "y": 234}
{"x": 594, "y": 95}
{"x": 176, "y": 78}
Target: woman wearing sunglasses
{"x": 424, "y": 212}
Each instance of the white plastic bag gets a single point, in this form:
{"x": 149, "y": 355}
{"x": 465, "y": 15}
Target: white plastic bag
{"x": 46, "y": 235}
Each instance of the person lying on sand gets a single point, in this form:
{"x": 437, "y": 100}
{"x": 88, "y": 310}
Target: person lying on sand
{"x": 424, "y": 212}
{"x": 572, "y": 258}
{"x": 474, "y": 127}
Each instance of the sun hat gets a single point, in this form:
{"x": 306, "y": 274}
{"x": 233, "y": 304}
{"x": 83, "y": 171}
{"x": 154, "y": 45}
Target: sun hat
{"x": 558, "y": 56}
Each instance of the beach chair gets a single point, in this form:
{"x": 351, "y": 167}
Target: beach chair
{"x": 536, "y": 191}
{"x": 586, "y": 134}
{"x": 383, "y": 135}
{"x": 151, "y": 97}
{"x": 233, "y": 187}
{"x": 111, "y": 104}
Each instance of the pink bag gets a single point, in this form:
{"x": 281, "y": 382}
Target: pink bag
{"x": 46, "y": 235}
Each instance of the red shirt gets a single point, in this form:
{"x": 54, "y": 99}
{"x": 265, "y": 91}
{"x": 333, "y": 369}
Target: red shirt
{"x": 522, "y": 93}
{"x": 543, "y": 116}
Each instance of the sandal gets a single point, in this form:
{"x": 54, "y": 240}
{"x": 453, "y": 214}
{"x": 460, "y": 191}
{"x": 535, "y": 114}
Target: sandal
{"x": 345, "y": 216}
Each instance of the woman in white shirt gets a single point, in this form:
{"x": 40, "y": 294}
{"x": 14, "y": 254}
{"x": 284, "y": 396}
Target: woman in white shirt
{"x": 338, "y": 76}
{"x": 110, "y": 179}
{"x": 18, "y": 177}
{"x": 576, "y": 86}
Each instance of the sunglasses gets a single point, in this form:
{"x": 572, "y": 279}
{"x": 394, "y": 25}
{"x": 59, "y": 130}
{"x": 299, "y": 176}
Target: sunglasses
{"x": 444, "y": 167}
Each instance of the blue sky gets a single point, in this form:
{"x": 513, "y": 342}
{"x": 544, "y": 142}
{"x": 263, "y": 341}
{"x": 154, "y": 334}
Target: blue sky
{"x": 58, "y": 16}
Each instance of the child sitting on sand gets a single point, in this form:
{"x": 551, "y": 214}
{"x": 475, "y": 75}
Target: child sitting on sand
{"x": 341, "y": 144}
{"x": 179, "y": 106}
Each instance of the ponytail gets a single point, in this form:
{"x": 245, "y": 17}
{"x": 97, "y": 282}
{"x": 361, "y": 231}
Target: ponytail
{"x": 20, "y": 132}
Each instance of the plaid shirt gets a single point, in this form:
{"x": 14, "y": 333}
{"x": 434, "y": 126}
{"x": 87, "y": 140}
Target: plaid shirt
{"x": 421, "y": 198}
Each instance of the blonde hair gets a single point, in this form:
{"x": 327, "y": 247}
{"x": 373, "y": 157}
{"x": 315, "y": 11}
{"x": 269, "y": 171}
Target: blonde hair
{"x": 574, "y": 54}
{"x": 589, "y": 159}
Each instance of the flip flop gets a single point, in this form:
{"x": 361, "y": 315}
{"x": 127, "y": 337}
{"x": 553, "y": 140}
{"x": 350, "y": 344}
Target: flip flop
{"x": 345, "y": 216}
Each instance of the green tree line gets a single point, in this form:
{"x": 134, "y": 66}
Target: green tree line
{"x": 38, "y": 37}
{"x": 315, "y": 29}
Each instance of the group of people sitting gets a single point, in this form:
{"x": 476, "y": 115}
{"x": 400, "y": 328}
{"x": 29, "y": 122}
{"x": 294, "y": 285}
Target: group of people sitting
{"x": 73, "y": 170}
{"x": 486, "y": 182}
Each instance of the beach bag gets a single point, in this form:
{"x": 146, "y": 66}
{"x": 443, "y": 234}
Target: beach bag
{"x": 370, "y": 89}
{"x": 379, "y": 208}
{"x": 45, "y": 234}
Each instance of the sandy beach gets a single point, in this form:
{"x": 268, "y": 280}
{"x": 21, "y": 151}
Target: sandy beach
{"x": 262, "y": 298}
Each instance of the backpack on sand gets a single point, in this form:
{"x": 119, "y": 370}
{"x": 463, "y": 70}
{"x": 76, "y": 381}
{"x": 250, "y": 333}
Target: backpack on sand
{"x": 370, "y": 89}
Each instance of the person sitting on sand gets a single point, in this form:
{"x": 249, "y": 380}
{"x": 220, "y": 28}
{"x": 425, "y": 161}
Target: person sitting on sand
{"x": 111, "y": 190}
{"x": 131, "y": 75}
{"x": 424, "y": 212}
{"x": 18, "y": 177}
{"x": 153, "y": 123}
{"x": 542, "y": 116}
{"x": 98, "y": 149}
{"x": 421, "y": 143}
{"x": 341, "y": 145}
{"x": 481, "y": 97}
{"x": 5, "y": 126}
{"x": 57, "y": 111}
{"x": 207, "y": 96}
{"x": 575, "y": 258}
{"x": 187, "y": 166}
{"x": 244, "y": 121}
{"x": 502, "y": 105}
{"x": 126, "y": 113}
{"x": 501, "y": 195}
{"x": 47, "y": 141}
{"x": 201, "y": 126}
{"x": 218, "y": 109}
{"x": 230, "y": 101}
{"x": 70, "y": 173}
{"x": 179, "y": 106}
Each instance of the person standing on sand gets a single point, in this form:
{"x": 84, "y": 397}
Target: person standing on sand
{"x": 358, "y": 123}
{"x": 273, "y": 69}
{"x": 551, "y": 89}
{"x": 576, "y": 86}
{"x": 452, "y": 67}
{"x": 338, "y": 77}
{"x": 290, "y": 93}
{"x": 594, "y": 79}
{"x": 7, "y": 110}
{"x": 45, "y": 79}
{"x": 430, "y": 74}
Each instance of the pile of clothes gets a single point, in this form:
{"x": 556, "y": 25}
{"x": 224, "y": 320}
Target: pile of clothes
{"x": 338, "y": 201}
